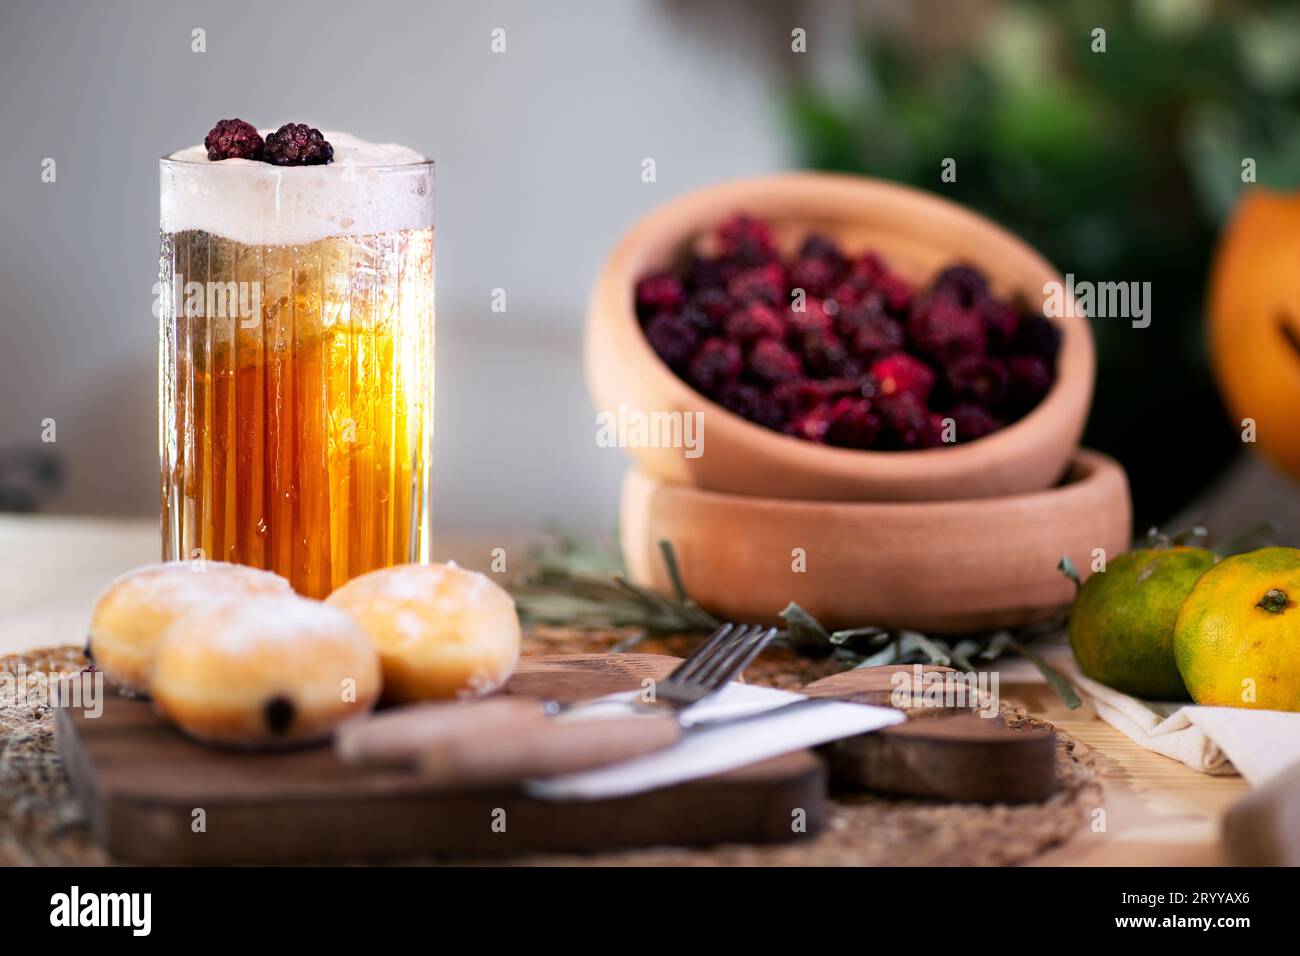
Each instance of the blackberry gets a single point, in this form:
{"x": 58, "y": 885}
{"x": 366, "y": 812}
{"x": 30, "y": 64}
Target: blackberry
{"x": 764, "y": 283}
{"x": 906, "y": 421}
{"x": 856, "y": 423}
{"x": 1038, "y": 335}
{"x": 716, "y": 363}
{"x": 673, "y": 338}
{"x": 820, "y": 246}
{"x": 751, "y": 402}
{"x": 902, "y": 374}
{"x": 1001, "y": 322}
{"x": 974, "y": 378}
{"x": 1031, "y": 379}
{"x": 825, "y": 355}
{"x": 815, "y": 424}
{"x": 770, "y": 361}
{"x": 944, "y": 331}
{"x": 896, "y": 292}
{"x": 233, "y": 139}
{"x": 658, "y": 292}
{"x": 875, "y": 334}
{"x": 713, "y": 302}
{"x": 702, "y": 272}
{"x": 747, "y": 240}
{"x": 295, "y": 144}
{"x": 972, "y": 421}
{"x": 753, "y": 322}
{"x": 813, "y": 318}
{"x": 964, "y": 285}
{"x": 815, "y": 276}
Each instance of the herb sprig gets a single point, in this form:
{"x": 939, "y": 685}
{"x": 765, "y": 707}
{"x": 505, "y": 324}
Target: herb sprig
{"x": 575, "y": 583}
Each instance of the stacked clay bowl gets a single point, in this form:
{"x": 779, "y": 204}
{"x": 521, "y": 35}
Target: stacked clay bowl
{"x": 948, "y": 539}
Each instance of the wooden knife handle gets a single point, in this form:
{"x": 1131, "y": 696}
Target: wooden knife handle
{"x": 541, "y": 748}
{"x": 399, "y": 737}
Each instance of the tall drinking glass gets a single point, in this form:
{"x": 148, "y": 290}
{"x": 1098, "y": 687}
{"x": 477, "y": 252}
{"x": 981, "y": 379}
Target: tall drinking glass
{"x": 295, "y": 343}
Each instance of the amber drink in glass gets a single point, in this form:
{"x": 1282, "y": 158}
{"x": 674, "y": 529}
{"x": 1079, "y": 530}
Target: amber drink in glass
{"x": 296, "y": 361}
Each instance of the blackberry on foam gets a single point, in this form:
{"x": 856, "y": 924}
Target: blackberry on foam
{"x": 368, "y": 188}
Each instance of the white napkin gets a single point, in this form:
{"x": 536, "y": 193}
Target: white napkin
{"x": 707, "y": 751}
{"x": 1258, "y": 744}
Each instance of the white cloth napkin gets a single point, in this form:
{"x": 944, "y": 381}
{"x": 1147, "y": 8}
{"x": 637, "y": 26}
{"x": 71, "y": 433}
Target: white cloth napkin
{"x": 1258, "y": 744}
{"x": 707, "y": 751}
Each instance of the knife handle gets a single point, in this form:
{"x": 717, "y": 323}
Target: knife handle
{"x": 490, "y": 756}
{"x": 399, "y": 737}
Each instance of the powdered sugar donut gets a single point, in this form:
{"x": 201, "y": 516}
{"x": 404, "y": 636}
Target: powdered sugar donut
{"x": 132, "y": 612}
{"x": 441, "y": 631}
{"x": 268, "y": 671}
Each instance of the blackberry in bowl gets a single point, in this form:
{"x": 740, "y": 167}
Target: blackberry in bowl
{"x": 845, "y": 339}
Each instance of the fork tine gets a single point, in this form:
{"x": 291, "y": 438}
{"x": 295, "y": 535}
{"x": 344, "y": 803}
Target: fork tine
{"x": 751, "y": 649}
{"x": 714, "y": 675}
{"x": 702, "y": 653}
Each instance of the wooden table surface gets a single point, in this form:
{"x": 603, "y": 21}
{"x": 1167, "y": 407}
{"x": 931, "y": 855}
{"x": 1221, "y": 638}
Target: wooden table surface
{"x": 1155, "y": 810}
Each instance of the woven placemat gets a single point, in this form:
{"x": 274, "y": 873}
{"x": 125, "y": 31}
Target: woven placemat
{"x": 41, "y": 822}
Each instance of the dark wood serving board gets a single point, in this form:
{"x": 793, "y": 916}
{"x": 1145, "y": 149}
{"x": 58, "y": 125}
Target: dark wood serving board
{"x": 147, "y": 789}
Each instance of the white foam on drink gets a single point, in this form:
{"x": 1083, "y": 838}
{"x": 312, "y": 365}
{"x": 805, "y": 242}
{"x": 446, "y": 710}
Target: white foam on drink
{"x": 369, "y": 188}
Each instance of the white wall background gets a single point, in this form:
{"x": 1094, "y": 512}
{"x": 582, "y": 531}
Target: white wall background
{"x": 538, "y": 153}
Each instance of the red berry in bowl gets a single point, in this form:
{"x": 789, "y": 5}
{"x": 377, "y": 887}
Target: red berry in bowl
{"x": 962, "y": 284}
{"x": 1000, "y": 323}
{"x": 897, "y": 293}
{"x": 1038, "y": 335}
{"x": 814, "y": 424}
{"x": 672, "y": 337}
{"x": 825, "y": 355}
{"x": 901, "y": 374}
{"x": 868, "y": 266}
{"x": 713, "y": 302}
{"x": 717, "y": 362}
{"x": 1031, "y": 379}
{"x": 765, "y": 283}
{"x": 944, "y": 331}
{"x": 658, "y": 293}
{"x": 813, "y": 318}
{"x": 906, "y": 420}
{"x": 753, "y": 322}
{"x": 814, "y": 276}
{"x": 771, "y": 362}
{"x": 872, "y": 332}
{"x": 747, "y": 240}
{"x": 972, "y": 421}
{"x": 856, "y": 424}
{"x": 976, "y": 378}
{"x": 751, "y": 402}
{"x": 865, "y": 361}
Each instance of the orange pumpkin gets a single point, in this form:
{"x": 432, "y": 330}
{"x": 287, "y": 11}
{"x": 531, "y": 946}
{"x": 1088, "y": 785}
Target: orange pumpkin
{"x": 1255, "y": 321}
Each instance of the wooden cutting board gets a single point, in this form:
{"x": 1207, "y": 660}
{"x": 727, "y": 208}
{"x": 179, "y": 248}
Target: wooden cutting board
{"x": 156, "y": 797}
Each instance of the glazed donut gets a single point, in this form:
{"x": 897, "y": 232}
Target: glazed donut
{"x": 264, "y": 672}
{"x": 132, "y": 612}
{"x": 441, "y": 631}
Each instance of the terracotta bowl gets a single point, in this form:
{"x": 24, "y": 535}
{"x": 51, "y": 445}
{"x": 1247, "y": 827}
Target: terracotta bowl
{"x": 918, "y": 234}
{"x": 937, "y": 566}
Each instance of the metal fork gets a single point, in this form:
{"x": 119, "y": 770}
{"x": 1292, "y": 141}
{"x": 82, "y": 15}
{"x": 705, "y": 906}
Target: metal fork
{"x": 709, "y": 668}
